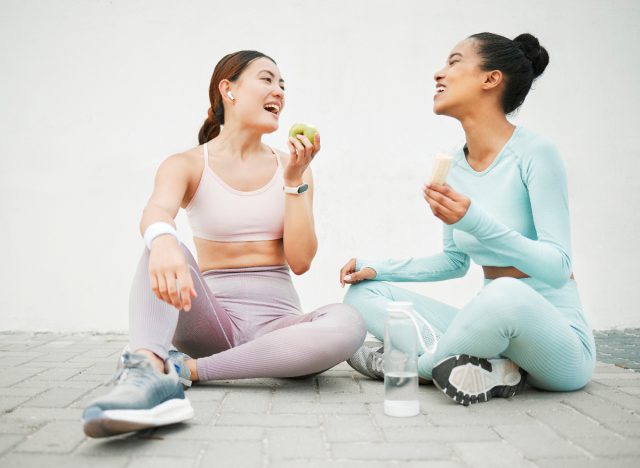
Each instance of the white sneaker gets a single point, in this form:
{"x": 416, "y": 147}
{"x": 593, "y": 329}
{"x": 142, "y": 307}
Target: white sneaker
{"x": 469, "y": 379}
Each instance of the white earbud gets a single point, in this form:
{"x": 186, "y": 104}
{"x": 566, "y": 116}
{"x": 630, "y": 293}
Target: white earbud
{"x": 230, "y": 96}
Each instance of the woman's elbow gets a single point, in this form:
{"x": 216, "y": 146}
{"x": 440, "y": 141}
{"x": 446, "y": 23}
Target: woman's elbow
{"x": 558, "y": 277}
{"x": 300, "y": 268}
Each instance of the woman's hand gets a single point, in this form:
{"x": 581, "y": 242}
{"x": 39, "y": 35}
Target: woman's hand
{"x": 169, "y": 273}
{"x": 302, "y": 153}
{"x": 447, "y": 204}
{"x": 349, "y": 275}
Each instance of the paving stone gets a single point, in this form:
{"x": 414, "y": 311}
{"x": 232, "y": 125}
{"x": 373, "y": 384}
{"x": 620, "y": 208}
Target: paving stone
{"x": 308, "y": 394}
{"x": 335, "y": 464}
{"x": 351, "y": 428}
{"x": 383, "y": 420}
{"x": 32, "y": 460}
{"x": 44, "y": 414}
{"x": 144, "y": 444}
{"x": 601, "y": 410}
{"x": 8, "y": 403}
{"x": 55, "y": 437}
{"x": 612, "y": 446}
{"x": 8, "y": 441}
{"x": 8, "y": 426}
{"x": 390, "y": 451}
{"x": 217, "y": 433}
{"x": 306, "y": 443}
{"x": 57, "y": 374}
{"x": 305, "y": 407}
{"x": 626, "y": 429}
{"x": 22, "y": 391}
{"x": 618, "y": 462}
{"x": 184, "y": 461}
{"x": 484, "y": 418}
{"x": 247, "y": 402}
{"x": 619, "y": 398}
{"x": 7, "y": 379}
{"x": 350, "y": 398}
{"x": 571, "y": 424}
{"x": 205, "y": 412}
{"x": 331, "y": 385}
{"x": 491, "y": 455}
{"x": 59, "y": 397}
{"x": 198, "y": 393}
{"x": 268, "y": 420}
{"x": 228, "y": 455}
{"x": 439, "y": 434}
{"x": 14, "y": 358}
{"x": 537, "y": 441}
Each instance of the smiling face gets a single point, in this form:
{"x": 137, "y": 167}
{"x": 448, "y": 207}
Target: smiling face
{"x": 461, "y": 83}
{"x": 258, "y": 96}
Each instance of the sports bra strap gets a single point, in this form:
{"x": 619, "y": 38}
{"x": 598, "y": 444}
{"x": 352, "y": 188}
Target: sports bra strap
{"x": 206, "y": 154}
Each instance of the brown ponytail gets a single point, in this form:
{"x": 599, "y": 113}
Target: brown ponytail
{"x": 229, "y": 68}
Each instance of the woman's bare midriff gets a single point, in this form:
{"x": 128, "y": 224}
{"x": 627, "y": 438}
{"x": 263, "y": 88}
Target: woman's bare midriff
{"x": 214, "y": 255}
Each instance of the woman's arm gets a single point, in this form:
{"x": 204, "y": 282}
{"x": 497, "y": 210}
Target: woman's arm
{"x": 548, "y": 257}
{"x": 299, "y": 238}
{"x": 450, "y": 263}
{"x": 168, "y": 269}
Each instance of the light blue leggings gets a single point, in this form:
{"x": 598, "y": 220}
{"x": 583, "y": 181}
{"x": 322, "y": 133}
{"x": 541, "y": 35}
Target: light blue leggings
{"x": 542, "y": 329}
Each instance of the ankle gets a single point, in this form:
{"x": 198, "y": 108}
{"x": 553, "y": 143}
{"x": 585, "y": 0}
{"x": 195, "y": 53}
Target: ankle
{"x": 156, "y": 362}
{"x": 193, "y": 369}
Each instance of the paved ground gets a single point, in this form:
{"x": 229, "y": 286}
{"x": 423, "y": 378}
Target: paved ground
{"x": 333, "y": 420}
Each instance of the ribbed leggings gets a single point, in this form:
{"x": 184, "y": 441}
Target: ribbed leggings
{"x": 540, "y": 328}
{"x": 245, "y": 323}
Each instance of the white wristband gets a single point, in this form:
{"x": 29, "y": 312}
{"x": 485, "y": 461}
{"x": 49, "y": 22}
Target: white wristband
{"x": 157, "y": 229}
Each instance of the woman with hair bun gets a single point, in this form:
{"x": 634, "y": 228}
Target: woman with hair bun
{"x": 234, "y": 314}
{"x": 505, "y": 205}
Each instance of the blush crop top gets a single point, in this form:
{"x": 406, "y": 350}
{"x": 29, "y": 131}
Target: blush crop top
{"x": 218, "y": 212}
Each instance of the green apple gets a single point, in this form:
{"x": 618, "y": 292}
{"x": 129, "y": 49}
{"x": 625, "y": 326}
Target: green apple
{"x": 305, "y": 129}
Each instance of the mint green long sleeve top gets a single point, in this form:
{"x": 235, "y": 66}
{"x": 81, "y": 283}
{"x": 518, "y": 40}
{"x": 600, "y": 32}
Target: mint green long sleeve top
{"x": 519, "y": 216}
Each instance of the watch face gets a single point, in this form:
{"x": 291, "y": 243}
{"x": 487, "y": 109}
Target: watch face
{"x": 303, "y": 188}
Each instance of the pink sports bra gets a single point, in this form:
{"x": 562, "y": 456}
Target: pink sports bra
{"x": 218, "y": 212}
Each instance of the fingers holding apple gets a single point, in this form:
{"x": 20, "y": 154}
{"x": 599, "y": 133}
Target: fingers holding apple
{"x": 306, "y": 133}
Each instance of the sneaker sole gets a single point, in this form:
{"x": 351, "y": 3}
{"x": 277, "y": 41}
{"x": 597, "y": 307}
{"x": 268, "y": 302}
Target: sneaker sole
{"x": 112, "y": 422}
{"x": 469, "y": 379}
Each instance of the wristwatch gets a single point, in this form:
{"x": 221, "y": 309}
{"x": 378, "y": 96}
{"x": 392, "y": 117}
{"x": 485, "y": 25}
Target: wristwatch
{"x": 296, "y": 190}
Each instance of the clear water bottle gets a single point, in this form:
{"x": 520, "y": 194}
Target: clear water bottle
{"x": 400, "y": 362}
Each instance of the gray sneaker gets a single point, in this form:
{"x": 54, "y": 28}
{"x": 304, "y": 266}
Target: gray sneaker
{"x": 177, "y": 359}
{"x": 368, "y": 360}
{"x": 142, "y": 398}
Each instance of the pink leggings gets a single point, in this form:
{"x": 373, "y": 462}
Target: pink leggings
{"x": 245, "y": 323}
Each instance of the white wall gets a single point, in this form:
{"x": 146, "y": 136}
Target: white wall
{"x": 95, "y": 94}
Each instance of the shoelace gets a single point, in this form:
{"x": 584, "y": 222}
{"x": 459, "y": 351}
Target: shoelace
{"x": 123, "y": 373}
{"x": 377, "y": 361}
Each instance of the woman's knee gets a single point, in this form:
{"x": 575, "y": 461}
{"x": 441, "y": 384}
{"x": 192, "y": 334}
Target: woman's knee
{"x": 356, "y": 294}
{"x": 349, "y": 328}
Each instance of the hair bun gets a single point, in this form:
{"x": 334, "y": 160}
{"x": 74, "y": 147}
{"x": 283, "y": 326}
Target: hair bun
{"x": 532, "y": 49}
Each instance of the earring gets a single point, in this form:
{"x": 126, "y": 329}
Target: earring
{"x": 230, "y": 96}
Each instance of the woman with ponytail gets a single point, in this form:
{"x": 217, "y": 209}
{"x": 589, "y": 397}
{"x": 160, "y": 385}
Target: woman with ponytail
{"x": 234, "y": 314}
{"x": 505, "y": 205}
